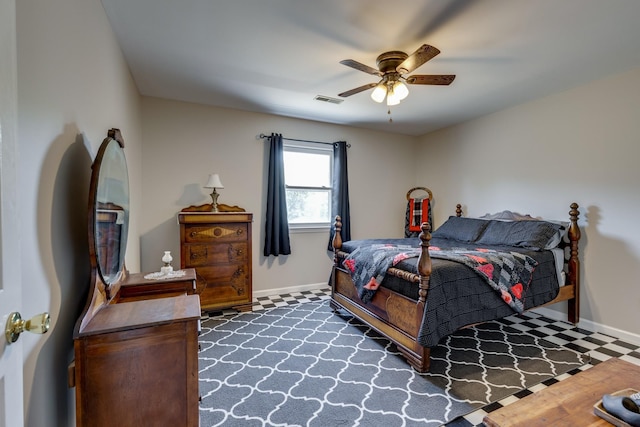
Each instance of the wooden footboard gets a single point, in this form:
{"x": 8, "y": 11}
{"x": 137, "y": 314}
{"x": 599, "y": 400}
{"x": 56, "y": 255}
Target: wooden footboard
{"x": 399, "y": 318}
{"x": 389, "y": 313}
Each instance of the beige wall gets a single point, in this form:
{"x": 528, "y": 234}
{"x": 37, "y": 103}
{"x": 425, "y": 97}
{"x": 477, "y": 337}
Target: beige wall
{"x": 184, "y": 142}
{"x": 73, "y": 85}
{"x": 581, "y": 145}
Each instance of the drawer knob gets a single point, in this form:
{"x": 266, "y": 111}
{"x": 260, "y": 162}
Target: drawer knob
{"x": 196, "y": 255}
{"x": 238, "y": 273}
{"x": 239, "y": 231}
{"x": 193, "y": 234}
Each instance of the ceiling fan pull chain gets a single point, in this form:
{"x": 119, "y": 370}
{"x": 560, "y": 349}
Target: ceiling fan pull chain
{"x": 389, "y": 113}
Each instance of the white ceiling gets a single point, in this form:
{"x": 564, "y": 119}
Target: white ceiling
{"x": 275, "y": 56}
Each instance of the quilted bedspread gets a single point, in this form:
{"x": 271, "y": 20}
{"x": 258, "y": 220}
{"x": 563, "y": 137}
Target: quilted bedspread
{"x": 507, "y": 273}
{"x": 458, "y": 295}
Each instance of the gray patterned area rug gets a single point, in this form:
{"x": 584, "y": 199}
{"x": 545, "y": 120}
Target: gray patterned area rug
{"x": 305, "y": 365}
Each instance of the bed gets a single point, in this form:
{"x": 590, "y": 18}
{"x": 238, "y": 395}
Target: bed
{"x": 469, "y": 271}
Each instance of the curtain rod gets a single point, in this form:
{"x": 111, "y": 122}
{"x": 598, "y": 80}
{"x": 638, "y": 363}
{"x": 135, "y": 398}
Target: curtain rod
{"x": 263, "y": 136}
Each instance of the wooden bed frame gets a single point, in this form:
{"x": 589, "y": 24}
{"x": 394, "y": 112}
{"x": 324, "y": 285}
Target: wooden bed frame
{"x": 398, "y": 317}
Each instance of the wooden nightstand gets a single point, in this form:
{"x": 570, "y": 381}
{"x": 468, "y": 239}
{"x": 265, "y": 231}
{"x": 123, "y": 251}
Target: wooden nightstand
{"x": 135, "y": 287}
{"x": 218, "y": 246}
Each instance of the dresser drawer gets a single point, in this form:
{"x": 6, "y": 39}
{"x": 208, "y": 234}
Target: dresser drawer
{"x": 220, "y": 296}
{"x": 225, "y": 285}
{"x": 235, "y": 275}
{"x": 221, "y": 253}
{"x": 216, "y": 233}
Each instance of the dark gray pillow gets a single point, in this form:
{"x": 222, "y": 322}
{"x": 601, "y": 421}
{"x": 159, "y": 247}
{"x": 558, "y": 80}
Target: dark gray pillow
{"x": 525, "y": 234}
{"x": 461, "y": 229}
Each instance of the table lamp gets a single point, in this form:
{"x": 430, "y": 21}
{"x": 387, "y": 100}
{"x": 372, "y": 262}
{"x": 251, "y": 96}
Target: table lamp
{"x": 214, "y": 183}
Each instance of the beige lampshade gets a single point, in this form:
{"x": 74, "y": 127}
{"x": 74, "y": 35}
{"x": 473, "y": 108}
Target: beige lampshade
{"x": 214, "y": 181}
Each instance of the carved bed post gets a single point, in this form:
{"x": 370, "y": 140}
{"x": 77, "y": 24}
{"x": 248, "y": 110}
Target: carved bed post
{"x": 337, "y": 238}
{"x": 424, "y": 263}
{"x": 574, "y": 265}
{"x": 421, "y": 359}
{"x": 336, "y": 242}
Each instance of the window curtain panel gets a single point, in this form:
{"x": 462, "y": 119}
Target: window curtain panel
{"x": 340, "y": 190}
{"x": 276, "y": 239}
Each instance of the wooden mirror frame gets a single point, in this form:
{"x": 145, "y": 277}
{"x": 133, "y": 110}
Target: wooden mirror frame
{"x": 105, "y": 281}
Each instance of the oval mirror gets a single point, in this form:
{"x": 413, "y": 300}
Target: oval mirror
{"x": 109, "y": 209}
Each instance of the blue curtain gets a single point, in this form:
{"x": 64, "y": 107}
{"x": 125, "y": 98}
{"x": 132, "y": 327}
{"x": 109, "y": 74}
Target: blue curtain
{"x": 340, "y": 189}
{"x": 276, "y": 239}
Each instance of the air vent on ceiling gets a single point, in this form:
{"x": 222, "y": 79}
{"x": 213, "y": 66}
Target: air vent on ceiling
{"x": 328, "y": 99}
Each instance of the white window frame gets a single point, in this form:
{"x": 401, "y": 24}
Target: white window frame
{"x": 311, "y": 148}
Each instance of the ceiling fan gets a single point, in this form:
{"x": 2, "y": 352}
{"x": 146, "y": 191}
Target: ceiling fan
{"x": 391, "y": 68}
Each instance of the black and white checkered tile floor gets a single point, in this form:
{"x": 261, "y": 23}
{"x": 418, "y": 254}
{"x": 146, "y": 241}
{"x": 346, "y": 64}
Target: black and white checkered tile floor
{"x": 598, "y": 347}
{"x": 263, "y": 303}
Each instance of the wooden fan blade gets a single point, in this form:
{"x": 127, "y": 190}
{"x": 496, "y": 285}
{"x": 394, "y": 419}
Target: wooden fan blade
{"x": 435, "y": 79}
{"x": 357, "y": 90}
{"x": 361, "y": 67}
{"x": 417, "y": 58}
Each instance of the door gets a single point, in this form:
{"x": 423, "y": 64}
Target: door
{"x": 11, "y": 390}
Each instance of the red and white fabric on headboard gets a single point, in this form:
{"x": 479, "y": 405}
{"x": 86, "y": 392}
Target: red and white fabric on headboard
{"x": 418, "y": 213}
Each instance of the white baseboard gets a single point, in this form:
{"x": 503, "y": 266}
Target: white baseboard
{"x": 589, "y": 325}
{"x": 299, "y": 288}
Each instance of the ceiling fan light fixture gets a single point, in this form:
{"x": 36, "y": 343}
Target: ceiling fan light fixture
{"x": 392, "y": 97}
{"x": 379, "y": 93}
{"x": 391, "y": 68}
{"x": 400, "y": 90}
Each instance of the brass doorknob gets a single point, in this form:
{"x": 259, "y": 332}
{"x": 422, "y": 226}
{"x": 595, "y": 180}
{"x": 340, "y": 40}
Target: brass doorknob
{"x": 38, "y": 324}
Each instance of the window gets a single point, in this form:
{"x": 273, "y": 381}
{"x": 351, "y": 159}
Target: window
{"x": 307, "y": 176}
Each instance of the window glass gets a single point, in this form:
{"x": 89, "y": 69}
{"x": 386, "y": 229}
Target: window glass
{"x": 310, "y": 169}
{"x": 308, "y": 184}
{"x": 308, "y": 206}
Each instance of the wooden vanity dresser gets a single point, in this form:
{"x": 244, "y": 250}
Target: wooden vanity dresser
{"x": 136, "y": 340}
{"x": 136, "y": 363}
